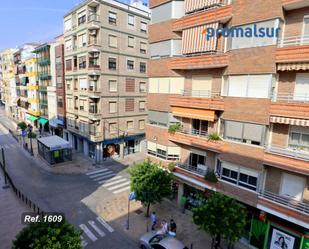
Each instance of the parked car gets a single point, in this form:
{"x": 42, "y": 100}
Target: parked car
{"x": 152, "y": 240}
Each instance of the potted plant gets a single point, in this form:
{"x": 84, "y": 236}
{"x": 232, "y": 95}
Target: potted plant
{"x": 174, "y": 128}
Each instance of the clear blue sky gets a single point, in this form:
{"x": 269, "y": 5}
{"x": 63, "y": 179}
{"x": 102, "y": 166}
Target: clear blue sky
{"x": 23, "y": 21}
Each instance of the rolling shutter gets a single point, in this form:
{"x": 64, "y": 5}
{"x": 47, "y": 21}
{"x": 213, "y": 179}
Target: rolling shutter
{"x": 192, "y": 5}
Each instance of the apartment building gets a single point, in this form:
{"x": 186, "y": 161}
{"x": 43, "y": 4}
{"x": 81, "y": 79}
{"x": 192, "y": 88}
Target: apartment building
{"x": 25, "y": 84}
{"x": 8, "y": 81}
{"x": 250, "y": 91}
{"x": 106, "y": 57}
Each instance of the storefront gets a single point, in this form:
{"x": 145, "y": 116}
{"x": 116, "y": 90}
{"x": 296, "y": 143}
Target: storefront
{"x": 43, "y": 124}
{"x": 56, "y": 127}
{"x": 32, "y": 119}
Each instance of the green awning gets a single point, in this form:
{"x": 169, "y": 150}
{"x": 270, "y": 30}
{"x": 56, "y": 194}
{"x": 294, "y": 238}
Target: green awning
{"x": 31, "y": 117}
{"x": 43, "y": 121}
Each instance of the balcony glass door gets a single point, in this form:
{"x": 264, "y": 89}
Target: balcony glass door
{"x": 199, "y": 127}
{"x": 305, "y": 36}
{"x": 292, "y": 186}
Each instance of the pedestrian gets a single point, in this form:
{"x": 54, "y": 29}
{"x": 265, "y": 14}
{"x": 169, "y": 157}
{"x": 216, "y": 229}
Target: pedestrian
{"x": 164, "y": 227}
{"x": 153, "y": 218}
{"x": 173, "y": 227}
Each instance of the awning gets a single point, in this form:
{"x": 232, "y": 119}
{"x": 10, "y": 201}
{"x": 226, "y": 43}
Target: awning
{"x": 31, "y": 117}
{"x": 55, "y": 122}
{"x": 290, "y": 121}
{"x": 194, "y": 113}
{"x": 293, "y": 66}
{"x": 43, "y": 121}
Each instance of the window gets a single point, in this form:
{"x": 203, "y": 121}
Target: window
{"x": 142, "y": 106}
{"x": 141, "y": 124}
{"x": 82, "y": 104}
{"x": 173, "y": 85}
{"x": 301, "y": 91}
{"x": 83, "y": 84}
{"x": 68, "y": 45}
{"x": 82, "y": 40}
{"x": 142, "y": 67}
{"x": 251, "y": 86}
{"x": 130, "y": 85}
{"x": 82, "y": 62}
{"x": 129, "y": 105}
{"x": 143, "y": 48}
{"x": 143, "y": 27}
{"x": 69, "y": 84}
{"x": 81, "y": 17}
{"x": 112, "y": 107}
{"x": 112, "y": 128}
{"x": 67, "y": 25}
{"x": 142, "y": 87}
{"x": 60, "y": 101}
{"x": 163, "y": 152}
{"x": 68, "y": 65}
{"x": 112, "y": 41}
{"x": 112, "y": 85}
{"x": 112, "y": 18}
{"x": 130, "y": 125}
{"x": 201, "y": 86}
{"x": 112, "y": 63}
{"x": 83, "y": 126}
{"x": 237, "y": 175}
{"x": 130, "y": 64}
{"x": 131, "y": 41}
{"x": 299, "y": 138}
{"x": 130, "y": 20}
{"x": 244, "y": 132}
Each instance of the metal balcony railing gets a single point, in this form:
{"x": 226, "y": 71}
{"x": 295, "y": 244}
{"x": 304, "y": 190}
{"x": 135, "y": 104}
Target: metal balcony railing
{"x": 195, "y": 169}
{"x": 200, "y": 94}
{"x": 289, "y": 152}
{"x": 285, "y": 201}
{"x": 291, "y": 98}
{"x": 293, "y": 41}
{"x": 194, "y": 132}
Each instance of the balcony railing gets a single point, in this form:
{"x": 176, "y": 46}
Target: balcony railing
{"x": 293, "y": 41}
{"x": 93, "y": 66}
{"x": 291, "y": 98}
{"x": 194, "y": 132}
{"x": 290, "y": 152}
{"x": 285, "y": 201}
{"x": 93, "y": 17}
{"x": 200, "y": 170}
{"x": 200, "y": 94}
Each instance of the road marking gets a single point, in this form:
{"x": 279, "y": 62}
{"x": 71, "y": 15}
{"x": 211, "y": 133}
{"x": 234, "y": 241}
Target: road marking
{"x": 119, "y": 185}
{"x": 105, "y": 177}
{"x": 104, "y": 223}
{"x": 109, "y": 180}
{"x": 88, "y": 232}
{"x": 101, "y": 174}
{"x": 114, "y": 182}
{"x": 121, "y": 190}
{"x": 84, "y": 242}
{"x": 94, "y": 172}
{"x": 98, "y": 230}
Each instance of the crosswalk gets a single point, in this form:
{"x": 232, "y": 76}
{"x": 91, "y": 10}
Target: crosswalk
{"x": 93, "y": 230}
{"x": 109, "y": 180}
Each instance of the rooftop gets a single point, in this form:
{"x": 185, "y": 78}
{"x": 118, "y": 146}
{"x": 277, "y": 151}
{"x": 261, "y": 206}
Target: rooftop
{"x": 54, "y": 142}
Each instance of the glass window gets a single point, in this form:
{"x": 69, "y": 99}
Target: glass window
{"x": 141, "y": 124}
{"x": 130, "y": 64}
{"x": 130, "y": 20}
{"x": 112, "y": 64}
{"x": 112, "y": 18}
{"x": 112, "y": 107}
{"x": 112, "y": 128}
{"x": 142, "y": 87}
{"x": 112, "y": 41}
{"x": 143, "y": 27}
{"x": 143, "y": 47}
{"x": 142, "y": 67}
{"x": 112, "y": 85}
{"x": 130, "y": 125}
{"x": 131, "y": 41}
{"x": 142, "y": 105}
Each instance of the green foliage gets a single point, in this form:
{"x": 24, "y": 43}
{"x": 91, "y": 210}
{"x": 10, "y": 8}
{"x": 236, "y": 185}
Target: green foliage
{"x": 221, "y": 215}
{"x": 31, "y": 135}
{"x": 171, "y": 166}
{"x": 174, "y": 128}
{"x": 150, "y": 183}
{"x": 49, "y": 236}
{"x": 214, "y": 136}
{"x": 211, "y": 176}
{"x": 22, "y": 126}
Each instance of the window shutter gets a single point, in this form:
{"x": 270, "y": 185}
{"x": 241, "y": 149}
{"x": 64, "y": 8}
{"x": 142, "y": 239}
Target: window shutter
{"x": 129, "y": 106}
{"x": 113, "y": 41}
{"x": 130, "y": 85}
{"x": 201, "y": 86}
{"x": 233, "y": 129}
{"x": 253, "y": 132}
{"x": 301, "y": 91}
{"x": 83, "y": 84}
{"x": 151, "y": 146}
{"x": 238, "y": 86}
{"x": 259, "y": 85}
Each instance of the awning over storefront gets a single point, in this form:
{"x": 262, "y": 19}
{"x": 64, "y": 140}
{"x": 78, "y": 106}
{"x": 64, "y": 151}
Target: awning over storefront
{"x": 55, "y": 122}
{"x": 31, "y": 117}
{"x": 293, "y": 66}
{"x": 43, "y": 121}
{"x": 194, "y": 113}
{"x": 290, "y": 121}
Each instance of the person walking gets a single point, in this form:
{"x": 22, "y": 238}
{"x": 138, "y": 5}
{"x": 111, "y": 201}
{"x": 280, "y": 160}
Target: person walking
{"x": 172, "y": 231}
{"x": 153, "y": 218}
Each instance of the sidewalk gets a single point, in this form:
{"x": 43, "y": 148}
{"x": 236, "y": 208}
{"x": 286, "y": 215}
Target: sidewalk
{"x": 11, "y": 209}
{"x": 114, "y": 210}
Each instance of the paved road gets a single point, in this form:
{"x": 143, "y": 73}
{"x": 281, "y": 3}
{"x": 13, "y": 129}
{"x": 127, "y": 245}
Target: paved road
{"x": 63, "y": 193}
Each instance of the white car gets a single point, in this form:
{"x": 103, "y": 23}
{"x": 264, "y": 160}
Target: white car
{"x": 152, "y": 240}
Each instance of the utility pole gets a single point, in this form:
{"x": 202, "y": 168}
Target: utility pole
{"x": 4, "y": 171}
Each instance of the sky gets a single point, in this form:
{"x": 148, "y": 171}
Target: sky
{"x": 23, "y": 21}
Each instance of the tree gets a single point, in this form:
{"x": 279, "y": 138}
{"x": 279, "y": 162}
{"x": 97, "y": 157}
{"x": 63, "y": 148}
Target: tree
{"x": 22, "y": 125}
{"x": 221, "y": 216}
{"x": 150, "y": 183}
{"x": 48, "y": 235}
{"x": 31, "y": 135}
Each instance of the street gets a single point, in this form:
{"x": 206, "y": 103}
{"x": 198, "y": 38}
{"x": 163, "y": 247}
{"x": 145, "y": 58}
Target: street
{"x": 64, "y": 193}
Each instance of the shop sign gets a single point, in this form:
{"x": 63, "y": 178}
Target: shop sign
{"x": 281, "y": 240}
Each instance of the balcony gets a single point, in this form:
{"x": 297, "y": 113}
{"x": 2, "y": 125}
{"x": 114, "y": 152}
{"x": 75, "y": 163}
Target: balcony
{"x": 287, "y": 158}
{"x": 93, "y": 18}
{"x": 198, "y": 99}
{"x": 293, "y": 53}
{"x": 294, "y": 4}
{"x": 203, "y": 61}
{"x": 94, "y": 67}
{"x": 42, "y": 88}
{"x": 290, "y": 105}
{"x": 94, "y": 113}
{"x": 95, "y": 136}
{"x": 195, "y": 138}
{"x": 283, "y": 205}
{"x": 199, "y": 170}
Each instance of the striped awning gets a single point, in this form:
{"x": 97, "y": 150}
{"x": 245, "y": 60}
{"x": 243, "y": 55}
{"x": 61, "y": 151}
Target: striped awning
{"x": 293, "y": 66}
{"x": 194, "y": 39}
{"x": 192, "y": 5}
{"x": 208, "y": 115}
{"x": 290, "y": 121}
